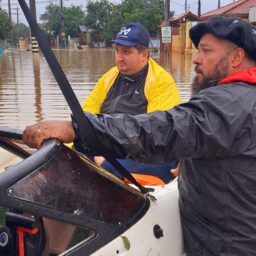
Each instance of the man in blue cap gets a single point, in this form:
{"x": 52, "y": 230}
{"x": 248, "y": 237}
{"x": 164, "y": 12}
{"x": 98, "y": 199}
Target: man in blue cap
{"x": 136, "y": 85}
{"x": 214, "y": 135}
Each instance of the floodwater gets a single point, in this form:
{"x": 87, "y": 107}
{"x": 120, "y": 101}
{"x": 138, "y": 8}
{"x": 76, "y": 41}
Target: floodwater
{"x": 29, "y": 91}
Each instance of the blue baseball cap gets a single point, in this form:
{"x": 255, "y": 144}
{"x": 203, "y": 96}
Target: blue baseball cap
{"x": 133, "y": 34}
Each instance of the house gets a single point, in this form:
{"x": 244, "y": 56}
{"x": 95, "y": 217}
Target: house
{"x": 82, "y": 35}
{"x": 240, "y": 8}
{"x": 180, "y": 31}
{"x": 245, "y": 9}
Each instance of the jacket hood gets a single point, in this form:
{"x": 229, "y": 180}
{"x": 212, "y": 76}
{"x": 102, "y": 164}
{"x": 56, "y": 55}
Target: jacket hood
{"x": 247, "y": 76}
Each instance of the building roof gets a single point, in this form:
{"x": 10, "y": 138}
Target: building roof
{"x": 183, "y": 17}
{"x": 239, "y": 8}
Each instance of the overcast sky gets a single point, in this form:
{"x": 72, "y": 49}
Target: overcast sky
{"x": 178, "y": 6}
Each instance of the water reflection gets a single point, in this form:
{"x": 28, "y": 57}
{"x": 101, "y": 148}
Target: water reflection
{"x": 37, "y": 81}
{"x": 29, "y": 92}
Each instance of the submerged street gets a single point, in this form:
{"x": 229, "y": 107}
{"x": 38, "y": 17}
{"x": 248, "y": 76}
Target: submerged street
{"x": 29, "y": 92}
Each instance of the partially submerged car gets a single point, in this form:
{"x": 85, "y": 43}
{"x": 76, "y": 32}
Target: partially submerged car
{"x": 58, "y": 202}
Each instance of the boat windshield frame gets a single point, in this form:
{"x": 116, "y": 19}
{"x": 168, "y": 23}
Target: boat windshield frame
{"x": 84, "y": 194}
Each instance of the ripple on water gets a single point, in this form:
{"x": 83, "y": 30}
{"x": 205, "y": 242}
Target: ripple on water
{"x": 29, "y": 92}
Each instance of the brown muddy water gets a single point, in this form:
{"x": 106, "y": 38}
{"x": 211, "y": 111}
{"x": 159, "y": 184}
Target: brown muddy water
{"x": 29, "y": 92}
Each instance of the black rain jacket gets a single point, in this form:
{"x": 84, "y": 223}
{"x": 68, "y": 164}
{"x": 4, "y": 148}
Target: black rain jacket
{"x": 214, "y": 135}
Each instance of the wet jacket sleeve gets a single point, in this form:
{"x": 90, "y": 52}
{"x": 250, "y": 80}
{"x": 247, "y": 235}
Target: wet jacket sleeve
{"x": 199, "y": 128}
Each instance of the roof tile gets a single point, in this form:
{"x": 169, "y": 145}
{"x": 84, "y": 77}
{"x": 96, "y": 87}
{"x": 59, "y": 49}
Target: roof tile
{"x": 237, "y": 8}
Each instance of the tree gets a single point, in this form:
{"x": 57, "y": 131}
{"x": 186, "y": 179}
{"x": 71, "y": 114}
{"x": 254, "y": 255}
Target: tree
{"x": 19, "y": 30}
{"x": 113, "y": 23}
{"x": 105, "y": 18}
{"x": 72, "y": 17}
{"x": 99, "y": 17}
{"x": 51, "y": 19}
{"x": 5, "y": 26}
{"x": 147, "y": 12}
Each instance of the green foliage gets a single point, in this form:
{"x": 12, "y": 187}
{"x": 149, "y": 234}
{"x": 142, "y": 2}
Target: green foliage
{"x": 5, "y": 26}
{"x": 103, "y": 18}
{"x": 52, "y": 19}
{"x": 106, "y": 19}
{"x": 127, "y": 244}
{"x": 147, "y": 12}
{"x": 73, "y": 16}
{"x": 99, "y": 17}
{"x": 19, "y": 30}
{"x": 113, "y": 23}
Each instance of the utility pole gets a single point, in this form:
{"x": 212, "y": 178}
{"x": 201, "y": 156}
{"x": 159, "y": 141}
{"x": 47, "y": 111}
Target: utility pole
{"x": 9, "y": 10}
{"x": 199, "y": 8}
{"x": 10, "y": 19}
{"x": 17, "y": 15}
{"x": 186, "y": 6}
{"x": 61, "y": 16}
{"x": 16, "y": 41}
{"x": 16, "y": 12}
{"x": 62, "y": 34}
{"x": 167, "y": 12}
{"x": 166, "y": 23}
{"x": 218, "y": 3}
{"x": 32, "y": 5}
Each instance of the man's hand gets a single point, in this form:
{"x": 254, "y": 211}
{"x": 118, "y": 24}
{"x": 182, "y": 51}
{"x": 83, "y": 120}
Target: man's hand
{"x": 175, "y": 172}
{"x": 99, "y": 160}
{"x": 35, "y": 134}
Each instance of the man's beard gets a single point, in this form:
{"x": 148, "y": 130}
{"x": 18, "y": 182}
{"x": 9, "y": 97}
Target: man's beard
{"x": 220, "y": 72}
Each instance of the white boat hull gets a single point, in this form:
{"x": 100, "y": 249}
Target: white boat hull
{"x": 140, "y": 239}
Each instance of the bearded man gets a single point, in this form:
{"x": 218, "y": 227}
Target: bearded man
{"x": 214, "y": 135}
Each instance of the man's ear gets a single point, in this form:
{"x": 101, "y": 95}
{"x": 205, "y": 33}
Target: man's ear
{"x": 145, "y": 54}
{"x": 238, "y": 57}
